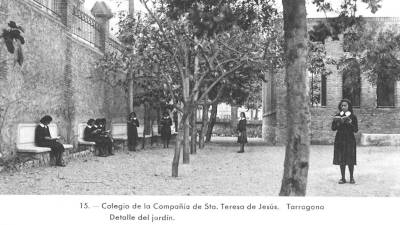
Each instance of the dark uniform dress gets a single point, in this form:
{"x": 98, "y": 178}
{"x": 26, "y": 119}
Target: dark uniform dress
{"x": 132, "y": 132}
{"x": 241, "y": 127}
{"x": 56, "y": 147}
{"x": 345, "y": 142}
{"x": 107, "y": 136}
{"x": 101, "y": 141}
{"x": 88, "y": 134}
{"x": 166, "y": 124}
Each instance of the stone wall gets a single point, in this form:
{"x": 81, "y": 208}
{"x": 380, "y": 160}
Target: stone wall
{"x": 226, "y": 128}
{"x": 58, "y": 77}
{"x": 371, "y": 119}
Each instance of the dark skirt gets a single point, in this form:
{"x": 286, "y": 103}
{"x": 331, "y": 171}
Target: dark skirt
{"x": 165, "y": 132}
{"x": 132, "y": 135}
{"x": 344, "y": 152}
{"x": 242, "y": 138}
{"x": 53, "y": 144}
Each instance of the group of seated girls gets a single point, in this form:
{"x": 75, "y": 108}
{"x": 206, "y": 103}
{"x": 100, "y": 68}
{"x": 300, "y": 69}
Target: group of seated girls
{"x": 95, "y": 131}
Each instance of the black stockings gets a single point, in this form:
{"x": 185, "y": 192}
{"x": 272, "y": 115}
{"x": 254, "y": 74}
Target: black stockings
{"x": 343, "y": 171}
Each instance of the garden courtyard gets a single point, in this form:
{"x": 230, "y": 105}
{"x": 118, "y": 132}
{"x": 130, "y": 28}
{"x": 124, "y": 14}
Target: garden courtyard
{"x": 216, "y": 170}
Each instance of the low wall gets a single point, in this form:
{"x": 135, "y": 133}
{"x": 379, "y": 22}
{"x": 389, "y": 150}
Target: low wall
{"x": 226, "y": 128}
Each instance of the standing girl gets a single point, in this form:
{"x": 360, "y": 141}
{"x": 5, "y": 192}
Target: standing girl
{"x": 345, "y": 122}
{"x": 166, "y": 124}
{"x": 133, "y": 137}
{"x": 241, "y": 127}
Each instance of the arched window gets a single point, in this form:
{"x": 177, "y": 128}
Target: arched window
{"x": 351, "y": 82}
{"x": 317, "y": 89}
{"x": 385, "y": 87}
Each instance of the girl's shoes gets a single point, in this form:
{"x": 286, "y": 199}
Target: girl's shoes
{"x": 342, "y": 181}
{"x": 352, "y": 181}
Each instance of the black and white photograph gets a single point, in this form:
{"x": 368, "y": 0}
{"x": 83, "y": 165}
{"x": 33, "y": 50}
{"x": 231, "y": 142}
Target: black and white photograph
{"x": 178, "y": 111}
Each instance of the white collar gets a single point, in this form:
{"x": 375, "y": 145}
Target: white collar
{"x": 348, "y": 113}
{"x": 242, "y": 118}
{"x": 89, "y": 126}
{"x": 42, "y": 125}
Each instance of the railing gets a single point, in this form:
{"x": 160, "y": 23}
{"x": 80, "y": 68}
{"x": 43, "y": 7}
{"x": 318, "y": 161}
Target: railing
{"x": 113, "y": 45}
{"x": 85, "y": 27}
{"x": 51, "y": 6}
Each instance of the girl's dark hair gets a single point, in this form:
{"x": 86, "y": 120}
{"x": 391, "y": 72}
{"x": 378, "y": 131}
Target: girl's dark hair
{"x": 131, "y": 115}
{"x": 165, "y": 113}
{"x": 242, "y": 113}
{"x": 348, "y": 103}
{"x": 97, "y": 121}
{"x": 46, "y": 119}
{"x": 90, "y": 121}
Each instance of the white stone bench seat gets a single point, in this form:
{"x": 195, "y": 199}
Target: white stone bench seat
{"x": 120, "y": 137}
{"x": 81, "y": 129}
{"x": 29, "y": 148}
{"x": 380, "y": 139}
{"x": 26, "y": 138}
{"x": 119, "y": 131}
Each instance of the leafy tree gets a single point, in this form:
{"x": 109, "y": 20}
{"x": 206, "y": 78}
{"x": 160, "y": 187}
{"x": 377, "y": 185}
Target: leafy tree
{"x": 294, "y": 181}
{"x": 216, "y": 60}
{"x": 316, "y": 65}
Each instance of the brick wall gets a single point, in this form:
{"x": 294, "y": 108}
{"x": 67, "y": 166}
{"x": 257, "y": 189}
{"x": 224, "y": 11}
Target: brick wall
{"x": 370, "y": 118}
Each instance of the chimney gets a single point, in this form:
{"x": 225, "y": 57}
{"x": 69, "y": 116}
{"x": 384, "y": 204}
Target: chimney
{"x": 131, "y": 7}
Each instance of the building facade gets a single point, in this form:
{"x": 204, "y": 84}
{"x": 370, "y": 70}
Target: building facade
{"x": 58, "y": 76}
{"x": 377, "y": 106}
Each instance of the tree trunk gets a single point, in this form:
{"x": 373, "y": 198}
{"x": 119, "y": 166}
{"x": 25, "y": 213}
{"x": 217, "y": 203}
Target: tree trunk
{"x": 213, "y": 118}
{"x": 186, "y": 141}
{"x": 186, "y": 145}
{"x": 294, "y": 181}
{"x": 256, "y": 116}
{"x": 193, "y": 133}
{"x": 130, "y": 93}
{"x": 177, "y": 152}
{"x": 194, "y": 112}
{"x": 204, "y": 123}
{"x": 147, "y": 119}
{"x": 178, "y": 146}
{"x": 234, "y": 115}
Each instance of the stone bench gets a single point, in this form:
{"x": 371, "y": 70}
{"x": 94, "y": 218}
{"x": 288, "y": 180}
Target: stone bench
{"x": 82, "y": 144}
{"x": 26, "y": 142}
{"x": 119, "y": 132}
{"x": 380, "y": 139}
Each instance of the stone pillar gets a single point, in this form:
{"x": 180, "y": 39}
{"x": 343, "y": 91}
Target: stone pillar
{"x": 131, "y": 7}
{"x": 65, "y": 9}
{"x": 102, "y": 14}
{"x": 397, "y": 94}
{"x": 368, "y": 94}
{"x": 265, "y": 106}
{"x": 234, "y": 114}
{"x": 269, "y": 109}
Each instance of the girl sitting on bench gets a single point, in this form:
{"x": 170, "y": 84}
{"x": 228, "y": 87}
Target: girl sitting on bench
{"x": 44, "y": 139}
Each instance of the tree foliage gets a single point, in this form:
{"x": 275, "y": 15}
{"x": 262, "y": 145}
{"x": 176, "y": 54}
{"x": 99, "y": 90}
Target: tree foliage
{"x": 376, "y": 48}
{"x": 210, "y": 17}
{"x": 345, "y": 19}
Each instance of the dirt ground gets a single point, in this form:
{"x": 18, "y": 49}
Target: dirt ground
{"x": 216, "y": 170}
